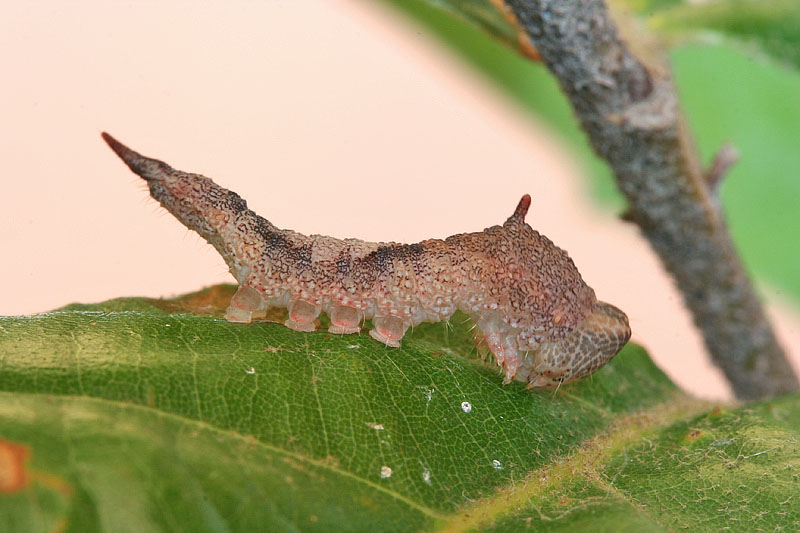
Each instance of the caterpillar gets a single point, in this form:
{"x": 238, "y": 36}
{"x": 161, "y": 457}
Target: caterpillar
{"x": 540, "y": 320}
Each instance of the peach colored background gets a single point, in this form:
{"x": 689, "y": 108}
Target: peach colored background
{"x": 334, "y": 117}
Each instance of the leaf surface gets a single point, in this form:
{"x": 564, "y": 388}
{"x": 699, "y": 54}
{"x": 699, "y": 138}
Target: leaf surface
{"x": 153, "y": 415}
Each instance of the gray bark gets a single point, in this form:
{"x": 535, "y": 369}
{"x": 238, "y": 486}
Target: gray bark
{"x": 631, "y": 116}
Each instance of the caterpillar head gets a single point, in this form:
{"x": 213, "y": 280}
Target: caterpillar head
{"x": 563, "y": 331}
{"x": 595, "y": 341}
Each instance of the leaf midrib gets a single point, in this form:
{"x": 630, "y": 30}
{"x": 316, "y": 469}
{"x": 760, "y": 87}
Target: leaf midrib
{"x": 584, "y": 459}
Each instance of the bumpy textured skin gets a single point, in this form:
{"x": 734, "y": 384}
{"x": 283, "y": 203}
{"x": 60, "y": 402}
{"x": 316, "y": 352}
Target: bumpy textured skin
{"x": 541, "y": 322}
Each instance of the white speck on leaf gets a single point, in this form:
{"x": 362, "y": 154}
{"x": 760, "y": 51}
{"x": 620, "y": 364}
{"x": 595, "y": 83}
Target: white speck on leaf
{"x": 353, "y": 346}
{"x": 250, "y": 370}
{"x": 428, "y": 392}
{"x": 426, "y": 476}
{"x": 497, "y": 464}
{"x": 386, "y": 472}
{"x": 376, "y": 427}
{"x": 466, "y": 407}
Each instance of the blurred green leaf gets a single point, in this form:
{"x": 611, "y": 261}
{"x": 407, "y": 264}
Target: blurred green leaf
{"x": 644, "y": 7}
{"x": 484, "y": 15}
{"x": 771, "y": 26}
{"x": 153, "y": 415}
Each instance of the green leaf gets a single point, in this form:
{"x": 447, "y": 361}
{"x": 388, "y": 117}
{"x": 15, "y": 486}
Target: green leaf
{"x": 771, "y": 27}
{"x": 484, "y": 15}
{"x": 153, "y": 415}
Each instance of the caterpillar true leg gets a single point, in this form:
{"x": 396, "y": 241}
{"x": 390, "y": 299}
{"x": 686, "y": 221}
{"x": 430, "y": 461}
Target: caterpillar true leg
{"x": 504, "y": 348}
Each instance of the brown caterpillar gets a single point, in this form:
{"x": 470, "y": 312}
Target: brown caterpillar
{"x": 540, "y": 320}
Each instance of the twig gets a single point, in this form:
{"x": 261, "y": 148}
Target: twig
{"x": 630, "y": 113}
{"x": 726, "y": 157}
